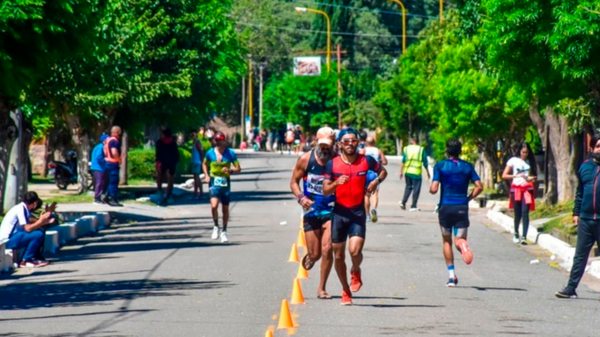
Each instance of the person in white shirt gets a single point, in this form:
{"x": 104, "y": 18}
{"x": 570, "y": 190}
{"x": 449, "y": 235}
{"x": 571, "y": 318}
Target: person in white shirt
{"x": 22, "y": 232}
{"x": 522, "y": 171}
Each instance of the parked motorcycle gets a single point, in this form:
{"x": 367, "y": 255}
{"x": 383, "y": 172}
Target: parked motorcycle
{"x": 65, "y": 173}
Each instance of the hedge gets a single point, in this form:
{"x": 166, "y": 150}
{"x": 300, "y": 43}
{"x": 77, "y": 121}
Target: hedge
{"x": 141, "y": 163}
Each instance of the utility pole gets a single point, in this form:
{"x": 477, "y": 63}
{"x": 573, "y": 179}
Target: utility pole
{"x": 243, "y": 110}
{"x": 260, "y": 106}
{"x": 250, "y": 109}
{"x": 339, "y": 84}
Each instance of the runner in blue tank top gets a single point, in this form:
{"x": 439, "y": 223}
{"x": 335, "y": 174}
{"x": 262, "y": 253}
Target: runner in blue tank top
{"x": 454, "y": 176}
{"x": 317, "y": 208}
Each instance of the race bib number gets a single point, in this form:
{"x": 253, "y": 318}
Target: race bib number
{"x": 220, "y": 181}
{"x": 314, "y": 184}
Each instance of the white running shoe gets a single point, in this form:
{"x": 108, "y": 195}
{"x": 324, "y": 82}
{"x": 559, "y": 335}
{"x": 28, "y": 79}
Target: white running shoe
{"x": 515, "y": 239}
{"x": 215, "y": 233}
{"x": 224, "y": 237}
{"x": 414, "y": 209}
{"x": 368, "y": 218}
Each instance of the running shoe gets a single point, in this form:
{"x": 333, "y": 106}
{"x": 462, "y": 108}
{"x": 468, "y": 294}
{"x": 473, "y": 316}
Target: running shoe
{"x": 453, "y": 282}
{"x": 516, "y": 239}
{"x": 467, "y": 254}
{"x": 346, "y": 298}
{"x": 224, "y": 237}
{"x": 524, "y": 241}
{"x": 33, "y": 264}
{"x": 374, "y": 215}
{"x": 355, "y": 281}
{"x": 403, "y": 206}
{"x": 215, "y": 233}
{"x": 98, "y": 202}
{"x": 368, "y": 218}
{"x": 114, "y": 203}
{"x": 568, "y": 292}
{"x": 414, "y": 209}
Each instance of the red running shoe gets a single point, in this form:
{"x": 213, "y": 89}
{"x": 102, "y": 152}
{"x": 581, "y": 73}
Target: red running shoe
{"x": 346, "y": 298}
{"x": 467, "y": 254}
{"x": 355, "y": 281}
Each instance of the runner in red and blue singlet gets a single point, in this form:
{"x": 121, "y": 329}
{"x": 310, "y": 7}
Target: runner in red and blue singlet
{"x": 346, "y": 176}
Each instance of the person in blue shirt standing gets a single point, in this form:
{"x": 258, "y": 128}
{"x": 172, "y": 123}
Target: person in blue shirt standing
{"x": 99, "y": 170}
{"x": 454, "y": 175}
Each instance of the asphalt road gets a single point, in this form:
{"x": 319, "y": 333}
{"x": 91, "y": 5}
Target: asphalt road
{"x": 166, "y": 277}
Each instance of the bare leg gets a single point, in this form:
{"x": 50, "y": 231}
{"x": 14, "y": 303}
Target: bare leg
{"x": 339, "y": 250}
{"x": 447, "y": 248}
{"x": 214, "y": 207}
{"x": 170, "y": 181}
{"x": 196, "y": 184}
{"x": 368, "y": 204}
{"x": 375, "y": 199}
{"x": 159, "y": 177}
{"x": 355, "y": 250}
{"x": 313, "y": 244}
{"x": 225, "y": 217}
{"x": 327, "y": 254}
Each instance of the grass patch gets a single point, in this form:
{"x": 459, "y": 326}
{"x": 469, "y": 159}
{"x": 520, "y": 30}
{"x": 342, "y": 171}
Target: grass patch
{"x": 37, "y": 179}
{"x": 543, "y": 211}
{"x": 70, "y": 199}
{"x": 140, "y": 182}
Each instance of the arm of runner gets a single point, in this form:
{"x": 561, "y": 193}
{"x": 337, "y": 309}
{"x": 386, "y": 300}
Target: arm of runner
{"x": 297, "y": 175}
{"x": 384, "y": 160}
{"x": 435, "y": 184}
{"x": 329, "y": 185}
{"x": 477, "y": 181}
{"x": 236, "y": 164}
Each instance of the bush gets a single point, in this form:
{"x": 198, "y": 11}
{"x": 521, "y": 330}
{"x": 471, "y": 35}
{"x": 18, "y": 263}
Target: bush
{"x": 141, "y": 163}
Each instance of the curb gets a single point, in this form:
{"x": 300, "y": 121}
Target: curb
{"x": 560, "y": 249}
{"x": 79, "y": 225}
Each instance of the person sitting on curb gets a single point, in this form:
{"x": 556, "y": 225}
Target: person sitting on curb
{"x": 586, "y": 217}
{"x": 22, "y": 232}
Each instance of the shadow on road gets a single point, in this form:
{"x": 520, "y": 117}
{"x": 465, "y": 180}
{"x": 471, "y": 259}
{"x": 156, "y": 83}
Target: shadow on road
{"x": 33, "y": 295}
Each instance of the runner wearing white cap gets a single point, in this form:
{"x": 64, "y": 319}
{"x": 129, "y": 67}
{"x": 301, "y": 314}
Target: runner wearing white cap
{"x": 317, "y": 208}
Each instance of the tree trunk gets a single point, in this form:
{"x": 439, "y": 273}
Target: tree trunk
{"x": 562, "y": 151}
{"x": 26, "y": 135}
{"x": 81, "y": 141}
{"x": 7, "y": 139}
{"x": 123, "y": 168}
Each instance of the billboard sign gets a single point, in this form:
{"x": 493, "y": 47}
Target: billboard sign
{"x": 307, "y": 66}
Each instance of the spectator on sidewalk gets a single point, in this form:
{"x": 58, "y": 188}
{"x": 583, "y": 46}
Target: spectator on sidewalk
{"x": 586, "y": 216}
{"x": 112, "y": 156}
{"x": 522, "y": 171}
{"x": 167, "y": 156}
{"x": 99, "y": 170}
{"x": 196, "y": 167}
{"x": 21, "y": 232}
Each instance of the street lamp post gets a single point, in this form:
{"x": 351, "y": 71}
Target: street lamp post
{"x": 304, "y": 10}
{"x": 403, "y": 23}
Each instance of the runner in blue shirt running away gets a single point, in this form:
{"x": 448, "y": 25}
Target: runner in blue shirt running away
{"x": 455, "y": 175}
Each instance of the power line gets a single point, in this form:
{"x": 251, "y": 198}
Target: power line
{"x": 365, "y": 9}
{"x": 320, "y": 31}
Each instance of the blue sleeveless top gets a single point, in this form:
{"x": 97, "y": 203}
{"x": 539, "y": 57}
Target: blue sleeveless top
{"x": 313, "y": 189}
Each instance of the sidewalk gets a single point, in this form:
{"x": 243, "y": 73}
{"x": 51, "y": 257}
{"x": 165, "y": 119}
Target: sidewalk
{"x": 562, "y": 252}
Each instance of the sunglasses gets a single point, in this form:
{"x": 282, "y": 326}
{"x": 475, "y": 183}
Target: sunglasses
{"x": 349, "y": 141}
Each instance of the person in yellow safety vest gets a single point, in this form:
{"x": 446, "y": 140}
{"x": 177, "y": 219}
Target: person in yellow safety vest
{"x": 112, "y": 156}
{"x": 414, "y": 158}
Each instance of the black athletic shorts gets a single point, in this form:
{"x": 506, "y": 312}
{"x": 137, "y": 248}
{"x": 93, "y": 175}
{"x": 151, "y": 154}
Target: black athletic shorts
{"x": 315, "y": 222}
{"x": 168, "y": 167}
{"x": 454, "y": 216}
{"x": 348, "y": 223}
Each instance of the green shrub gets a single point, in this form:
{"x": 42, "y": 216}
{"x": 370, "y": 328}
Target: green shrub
{"x": 141, "y": 164}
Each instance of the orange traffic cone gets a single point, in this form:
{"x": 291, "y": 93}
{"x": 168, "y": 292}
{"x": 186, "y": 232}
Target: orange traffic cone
{"x": 297, "y": 297}
{"x": 301, "y": 241}
{"x": 285, "y": 317}
{"x": 294, "y": 254}
{"x": 302, "y": 273}
{"x": 269, "y": 333}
